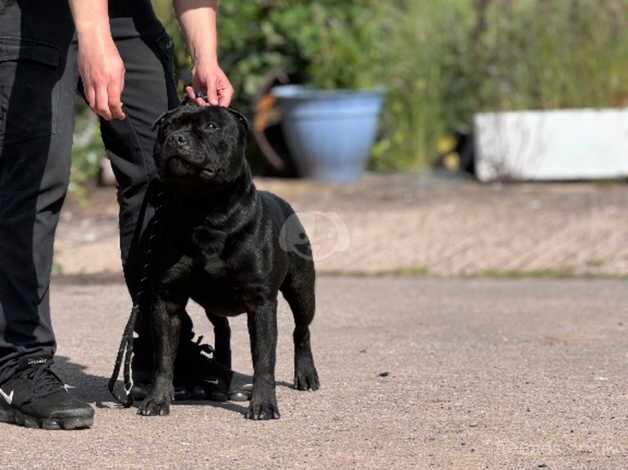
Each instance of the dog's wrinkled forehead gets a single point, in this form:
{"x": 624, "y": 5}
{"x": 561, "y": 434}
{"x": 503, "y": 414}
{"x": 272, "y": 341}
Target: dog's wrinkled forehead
{"x": 193, "y": 115}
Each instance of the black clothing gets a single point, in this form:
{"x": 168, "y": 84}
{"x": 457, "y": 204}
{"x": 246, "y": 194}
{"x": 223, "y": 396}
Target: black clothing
{"x": 36, "y": 397}
{"x": 39, "y": 79}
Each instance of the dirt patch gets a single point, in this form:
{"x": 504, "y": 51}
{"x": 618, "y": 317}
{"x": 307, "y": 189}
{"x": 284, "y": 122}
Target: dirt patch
{"x": 415, "y": 225}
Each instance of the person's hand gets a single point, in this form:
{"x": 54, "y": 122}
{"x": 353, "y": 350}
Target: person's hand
{"x": 208, "y": 80}
{"x": 102, "y": 73}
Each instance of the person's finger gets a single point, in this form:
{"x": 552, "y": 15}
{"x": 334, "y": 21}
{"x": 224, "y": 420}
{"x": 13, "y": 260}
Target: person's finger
{"x": 200, "y": 90}
{"x": 121, "y": 85}
{"x": 225, "y": 96}
{"x": 90, "y": 97}
{"x": 102, "y": 103}
{"x": 115, "y": 107}
{"x": 212, "y": 93}
{"x": 192, "y": 95}
{"x": 115, "y": 103}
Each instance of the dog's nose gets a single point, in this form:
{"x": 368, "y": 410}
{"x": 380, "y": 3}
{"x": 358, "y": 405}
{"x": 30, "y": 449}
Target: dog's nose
{"x": 178, "y": 139}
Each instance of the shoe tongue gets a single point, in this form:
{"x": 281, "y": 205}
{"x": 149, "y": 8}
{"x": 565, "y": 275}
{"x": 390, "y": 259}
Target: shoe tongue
{"x": 43, "y": 381}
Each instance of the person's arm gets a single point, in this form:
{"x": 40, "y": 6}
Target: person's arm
{"x": 100, "y": 65}
{"x": 198, "y": 21}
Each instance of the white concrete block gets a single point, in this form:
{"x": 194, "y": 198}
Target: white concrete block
{"x": 570, "y": 144}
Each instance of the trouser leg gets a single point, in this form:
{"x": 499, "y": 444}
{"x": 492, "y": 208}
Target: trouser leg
{"x": 37, "y": 86}
{"x": 149, "y": 92}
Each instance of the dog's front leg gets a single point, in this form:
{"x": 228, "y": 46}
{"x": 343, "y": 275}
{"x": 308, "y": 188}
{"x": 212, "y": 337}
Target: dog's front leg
{"x": 262, "y": 324}
{"x": 166, "y": 325}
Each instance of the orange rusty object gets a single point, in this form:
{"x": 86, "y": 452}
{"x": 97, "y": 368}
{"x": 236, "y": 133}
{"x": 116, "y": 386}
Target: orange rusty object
{"x": 266, "y": 115}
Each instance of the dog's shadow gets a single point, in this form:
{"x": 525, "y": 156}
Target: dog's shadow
{"x": 93, "y": 388}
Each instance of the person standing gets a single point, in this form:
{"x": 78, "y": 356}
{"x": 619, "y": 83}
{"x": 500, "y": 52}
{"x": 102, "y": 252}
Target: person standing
{"x": 117, "y": 55}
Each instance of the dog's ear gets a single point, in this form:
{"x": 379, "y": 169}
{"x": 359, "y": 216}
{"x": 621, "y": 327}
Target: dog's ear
{"x": 163, "y": 117}
{"x": 186, "y": 100}
{"x": 241, "y": 118}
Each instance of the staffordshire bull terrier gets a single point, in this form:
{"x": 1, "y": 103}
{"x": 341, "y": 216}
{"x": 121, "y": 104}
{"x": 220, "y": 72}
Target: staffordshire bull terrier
{"x": 219, "y": 243}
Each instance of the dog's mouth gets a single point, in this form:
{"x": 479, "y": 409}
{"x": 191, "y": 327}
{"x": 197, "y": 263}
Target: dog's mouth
{"x": 179, "y": 166}
{"x": 177, "y": 162}
{"x": 207, "y": 173}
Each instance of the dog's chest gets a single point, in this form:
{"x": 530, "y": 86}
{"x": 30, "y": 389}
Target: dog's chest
{"x": 207, "y": 246}
{"x": 206, "y": 276}
{"x": 194, "y": 250}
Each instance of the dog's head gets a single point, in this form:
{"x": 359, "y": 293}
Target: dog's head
{"x": 200, "y": 146}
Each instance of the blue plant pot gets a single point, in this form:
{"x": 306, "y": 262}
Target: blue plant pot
{"x": 329, "y": 133}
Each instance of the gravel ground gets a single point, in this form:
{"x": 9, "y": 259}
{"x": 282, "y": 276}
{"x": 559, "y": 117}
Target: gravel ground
{"x": 416, "y": 373}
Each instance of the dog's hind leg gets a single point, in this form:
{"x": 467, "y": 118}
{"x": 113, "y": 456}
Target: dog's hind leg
{"x": 298, "y": 290}
{"x": 222, "y": 339}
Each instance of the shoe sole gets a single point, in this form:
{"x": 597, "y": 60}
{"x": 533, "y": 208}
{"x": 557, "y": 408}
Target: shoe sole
{"x": 240, "y": 396}
{"x": 213, "y": 396}
{"x": 216, "y": 396}
{"x": 21, "y": 419}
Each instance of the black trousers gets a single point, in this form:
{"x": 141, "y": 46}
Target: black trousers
{"x": 39, "y": 80}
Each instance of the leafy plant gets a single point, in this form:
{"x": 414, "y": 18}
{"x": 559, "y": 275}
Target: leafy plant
{"x": 328, "y": 44}
{"x": 451, "y": 58}
{"x": 87, "y": 149}
{"x": 440, "y": 61}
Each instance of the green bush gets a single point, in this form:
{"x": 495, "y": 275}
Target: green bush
{"x": 450, "y": 58}
{"x": 328, "y": 44}
{"x": 87, "y": 149}
{"x": 440, "y": 60}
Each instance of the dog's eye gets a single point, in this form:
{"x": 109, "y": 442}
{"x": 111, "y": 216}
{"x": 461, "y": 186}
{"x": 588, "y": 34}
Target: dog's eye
{"x": 211, "y": 126}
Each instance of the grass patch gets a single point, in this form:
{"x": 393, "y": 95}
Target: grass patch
{"x": 562, "y": 273}
{"x": 422, "y": 271}
{"x": 413, "y": 271}
{"x": 57, "y": 268}
{"x": 559, "y": 273}
{"x": 595, "y": 263}
{"x": 406, "y": 271}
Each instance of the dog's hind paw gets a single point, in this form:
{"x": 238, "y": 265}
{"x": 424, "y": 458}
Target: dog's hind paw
{"x": 306, "y": 379}
{"x": 262, "y": 411}
{"x": 151, "y": 407}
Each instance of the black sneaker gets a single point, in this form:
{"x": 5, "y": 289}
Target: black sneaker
{"x": 35, "y": 397}
{"x": 196, "y": 377}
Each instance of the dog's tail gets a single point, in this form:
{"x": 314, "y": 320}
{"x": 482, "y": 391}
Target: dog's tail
{"x": 125, "y": 353}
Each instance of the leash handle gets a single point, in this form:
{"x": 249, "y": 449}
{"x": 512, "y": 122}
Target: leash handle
{"x": 124, "y": 352}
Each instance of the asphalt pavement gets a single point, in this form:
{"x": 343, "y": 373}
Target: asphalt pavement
{"x": 415, "y": 372}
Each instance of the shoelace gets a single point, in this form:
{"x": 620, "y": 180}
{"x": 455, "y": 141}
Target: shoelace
{"x": 196, "y": 354}
{"x": 44, "y": 379}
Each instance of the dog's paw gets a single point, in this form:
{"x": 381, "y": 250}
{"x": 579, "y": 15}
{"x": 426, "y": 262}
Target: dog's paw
{"x": 262, "y": 410}
{"x": 153, "y": 406}
{"x": 306, "y": 378}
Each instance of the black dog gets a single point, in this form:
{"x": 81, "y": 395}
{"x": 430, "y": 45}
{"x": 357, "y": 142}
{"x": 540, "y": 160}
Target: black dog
{"x": 221, "y": 245}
